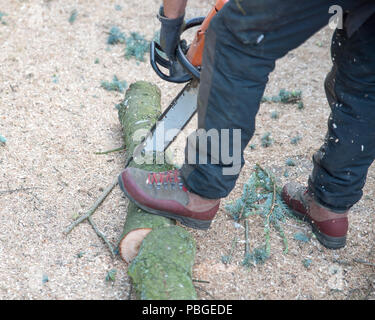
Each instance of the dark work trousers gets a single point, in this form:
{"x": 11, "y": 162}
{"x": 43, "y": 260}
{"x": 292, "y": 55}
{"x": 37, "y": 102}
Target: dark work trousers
{"x": 242, "y": 44}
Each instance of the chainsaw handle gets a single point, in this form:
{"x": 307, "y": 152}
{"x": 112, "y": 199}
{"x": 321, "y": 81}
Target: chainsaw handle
{"x": 182, "y": 58}
{"x": 190, "y": 59}
{"x": 156, "y": 59}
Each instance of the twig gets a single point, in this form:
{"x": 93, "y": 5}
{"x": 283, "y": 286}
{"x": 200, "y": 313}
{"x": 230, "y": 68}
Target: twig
{"x": 243, "y": 208}
{"x": 267, "y": 221}
{"x": 201, "y": 281}
{"x": 97, "y": 203}
{"x": 101, "y": 235}
{"x": 247, "y": 255}
{"x": 364, "y": 262}
{"x": 130, "y": 290}
{"x": 294, "y": 226}
{"x": 342, "y": 262}
{"x": 247, "y": 244}
{"x": 112, "y": 150}
{"x": 234, "y": 245}
{"x": 273, "y": 195}
{"x": 17, "y": 190}
{"x": 205, "y": 291}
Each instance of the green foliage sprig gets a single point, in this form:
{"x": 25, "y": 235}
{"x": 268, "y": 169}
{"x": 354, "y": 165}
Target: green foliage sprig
{"x": 2, "y": 139}
{"x": 2, "y": 14}
{"x": 275, "y": 115}
{"x": 285, "y": 96}
{"x": 136, "y": 46}
{"x": 115, "y": 36}
{"x": 295, "y": 140}
{"x": 111, "y": 275}
{"x": 261, "y": 196}
{"x": 115, "y": 85}
{"x": 73, "y": 16}
{"x": 300, "y": 236}
{"x": 266, "y": 140}
{"x": 290, "y": 162}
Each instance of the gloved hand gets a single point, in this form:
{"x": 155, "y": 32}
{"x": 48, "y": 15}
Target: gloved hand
{"x": 170, "y": 33}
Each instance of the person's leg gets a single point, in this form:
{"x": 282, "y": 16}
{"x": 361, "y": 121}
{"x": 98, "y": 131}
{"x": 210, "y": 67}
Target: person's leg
{"x": 242, "y": 44}
{"x": 341, "y": 164}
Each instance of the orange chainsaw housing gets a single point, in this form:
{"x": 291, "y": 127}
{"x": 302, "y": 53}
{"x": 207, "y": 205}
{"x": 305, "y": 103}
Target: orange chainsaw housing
{"x": 195, "y": 52}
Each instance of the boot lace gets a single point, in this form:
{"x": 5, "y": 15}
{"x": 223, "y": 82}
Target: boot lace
{"x": 167, "y": 179}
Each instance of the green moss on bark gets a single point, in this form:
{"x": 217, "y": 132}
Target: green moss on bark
{"x": 140, "y": 110}
{"x": 163, "y": 268}
{"x": 137, "y": 218}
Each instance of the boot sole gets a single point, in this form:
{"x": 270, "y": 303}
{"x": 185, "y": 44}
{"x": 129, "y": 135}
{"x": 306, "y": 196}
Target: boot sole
{"x": 186, "y": 221}
{"x": 329, "y": 242}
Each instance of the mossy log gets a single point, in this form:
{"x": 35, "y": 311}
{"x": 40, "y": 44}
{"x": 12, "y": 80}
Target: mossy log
{"x": 162, "y": 269}
{"x": 140, "y": 110}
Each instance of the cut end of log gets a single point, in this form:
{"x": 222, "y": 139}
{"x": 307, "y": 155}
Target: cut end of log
{"x": 130, "y": 244}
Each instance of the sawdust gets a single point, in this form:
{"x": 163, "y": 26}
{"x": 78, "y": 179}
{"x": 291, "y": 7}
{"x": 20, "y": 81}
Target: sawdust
{"x": 55, "y": 116}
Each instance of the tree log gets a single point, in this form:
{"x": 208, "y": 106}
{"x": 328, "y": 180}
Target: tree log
{"x": 162, "y": 269}
{"x": 140, "y": 110}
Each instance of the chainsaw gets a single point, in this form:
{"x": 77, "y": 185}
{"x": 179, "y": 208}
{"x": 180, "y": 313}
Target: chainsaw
{"x": 180, "y": 111}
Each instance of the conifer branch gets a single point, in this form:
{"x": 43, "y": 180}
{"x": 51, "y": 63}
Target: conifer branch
{"x": 261, "y": 196}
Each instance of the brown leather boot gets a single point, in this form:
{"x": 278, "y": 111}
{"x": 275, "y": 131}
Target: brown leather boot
{"x": 164, "y": 194}
{"x": 329, "y": 227}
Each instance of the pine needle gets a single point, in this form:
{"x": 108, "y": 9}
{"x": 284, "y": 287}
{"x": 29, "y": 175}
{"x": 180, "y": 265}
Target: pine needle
{"x": 115, "y": 36}
{"x": 266, "y": 140}
{"x": 136, "y": 46}
{"x": 111, "y": 275}
{"x": 286, "y": 97}
{"x": 2, "y": 139}
{"x": 2, "y": 14}
{"x": 115, "y": 85}
{"x": 261, "y": 196}
{"x": 73, "y": 16}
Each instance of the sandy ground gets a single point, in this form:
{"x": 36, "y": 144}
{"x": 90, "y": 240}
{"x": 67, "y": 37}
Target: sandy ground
{"x": 55, "y": 115}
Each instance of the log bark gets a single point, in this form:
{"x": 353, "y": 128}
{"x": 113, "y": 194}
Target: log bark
{"x": 140, "y": 110}
{"x": 162, "y": 269}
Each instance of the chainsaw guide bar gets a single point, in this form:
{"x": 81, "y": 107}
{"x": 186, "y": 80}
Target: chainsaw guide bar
{"x": 170, "y": 123}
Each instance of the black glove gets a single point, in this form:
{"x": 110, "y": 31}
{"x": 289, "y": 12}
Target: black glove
{"x": 170, "y": 33}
